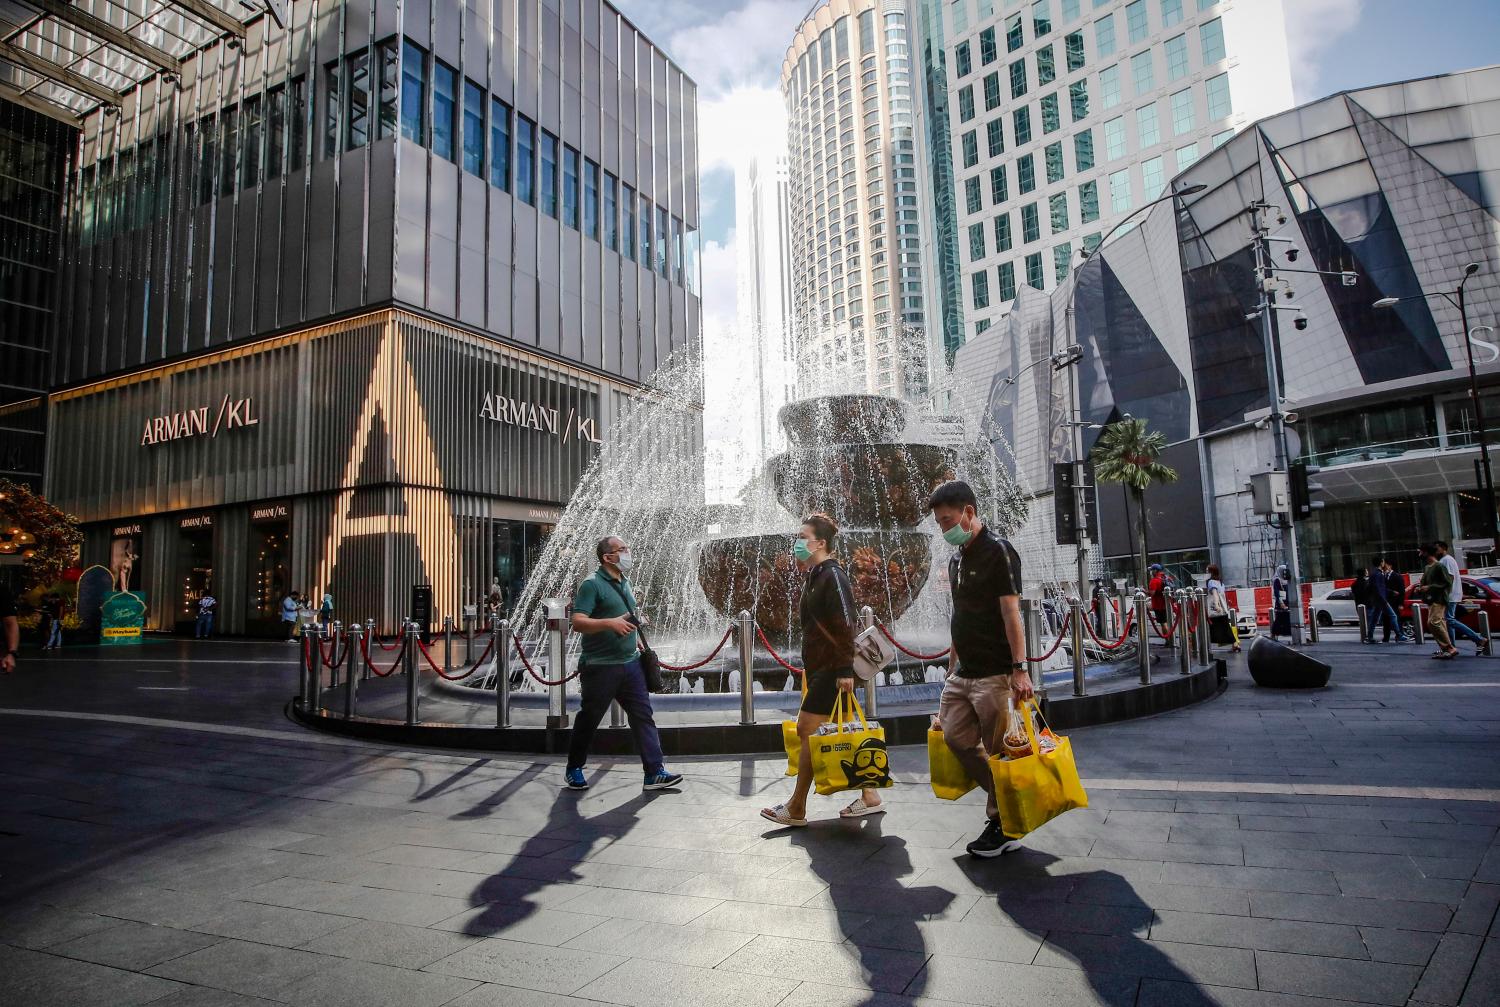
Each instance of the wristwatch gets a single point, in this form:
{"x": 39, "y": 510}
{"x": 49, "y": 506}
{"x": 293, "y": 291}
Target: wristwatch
{"x": 1017, "y": 666}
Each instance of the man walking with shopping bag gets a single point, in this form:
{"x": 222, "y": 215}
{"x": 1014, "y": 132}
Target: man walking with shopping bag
{"x": 987, "y": 667}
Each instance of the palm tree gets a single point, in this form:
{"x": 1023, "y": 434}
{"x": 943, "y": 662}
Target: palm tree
{"x": 1127, "y": 453}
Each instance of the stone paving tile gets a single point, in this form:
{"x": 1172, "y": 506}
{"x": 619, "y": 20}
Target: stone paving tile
{"x": 202, "y": 996}
{"x": 1367, "y": 884}
{"x": 395, "y": 944}
{"x": 1403, "y": 947}
{"x": 1217, "y": 966}
{"x": 40, "y": 926}
{"x": 367, "y": 984}
{"x": 1340, "y": 978}
{"x": 968, "y": 940}
{"x": 685, "y": 945}
{"x": 738, "y": 888}
{"x": 1255, "y": 879}
{"x": 271, "y": 924}
{"x": 1186, "y": 898}
{"x": 133, "y": 946}
{"x": 1340, "y": 941}
{"x": 1447, "y": 973}
{"x": 394, "y": 907}
{"x": 1343, "y": 909}
{"x": 1185, "y": 853}
{"x": 970, "y": 980}
{"x": 881, "y": 969}
{"x": 652, "y": 907}
{"x": 243, "y": 967}
{"x": 1484, "y": 982}
{"x": 654, "y": 984}
{"x": 521, "y": 923}
{"x": 493, "y": 995}
{"x": 529, "y": 966}
{"x": 781, "y": 921}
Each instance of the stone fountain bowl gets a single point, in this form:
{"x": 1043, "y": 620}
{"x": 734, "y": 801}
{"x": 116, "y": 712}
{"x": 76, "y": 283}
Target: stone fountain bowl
{"x": 861, "y": 485}
{"x": 887, "y": 570}
{"x": 838, "y": 419}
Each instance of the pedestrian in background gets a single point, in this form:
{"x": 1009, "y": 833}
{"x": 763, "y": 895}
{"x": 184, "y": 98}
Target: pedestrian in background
{"x": 1281, "y": 610}
{"x": 10, "y": 631}
{"x": 206, "y": 605}
{"x": 828, "y": 620}
{"x": 290, "y": 607}
{"x": 56, "y": 608}
{"x": 1220, "y": 623}
{"x": 1363, "y": 596}
{"x": 1455, "y": 598}
{"x": 1159, "y": 585}
{"x": 1434, "y": 590}
{"x": 1385, "y": 584}
{"x": 325, "y": 611}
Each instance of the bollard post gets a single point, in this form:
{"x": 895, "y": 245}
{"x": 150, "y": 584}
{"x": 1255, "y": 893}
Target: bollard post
{"x": 1076, "y": 616}
{"x": 369, "y": 645}
{"x": 1143, "y": 637}
{"x": 867, "y": 621}
{"x": 1312, "y": 630}
{"x": 616, "y": 715}
{"x": 1364, "y": 622}
{"x": 1033, "y": 632}
{"x": 409, "y": 658}
{"x": 337, "y": 632}
{"x": 1184, "y": 640}
{"x": 1418, "y": 624}
{"x": 311, "y": 679}
{"x": 500, "y": 634}
{"x": 447, "y": 645}
{"x": 351, "y": 675}
{"x": 1486, "y": 647}
{"x": 468, "y": 635}
{"x": 1201, "y": 597}
{"x": 744, "y": 628}
{"x": 557, "y": 663}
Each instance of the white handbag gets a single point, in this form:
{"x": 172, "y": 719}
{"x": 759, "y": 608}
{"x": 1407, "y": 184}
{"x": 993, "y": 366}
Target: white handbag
{"x": 872, "y": 652}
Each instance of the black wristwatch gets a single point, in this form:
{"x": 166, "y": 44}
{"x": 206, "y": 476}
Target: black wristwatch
{"x": 1017, "y": 666}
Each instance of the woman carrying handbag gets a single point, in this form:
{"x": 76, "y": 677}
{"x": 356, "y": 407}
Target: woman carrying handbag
{"x": 1220, "y": 622}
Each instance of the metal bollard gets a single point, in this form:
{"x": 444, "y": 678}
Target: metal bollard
{"x": 468, "y": 636}
{"x": 1033, "y": 630}
{"x": 1184, "y": 640}
{"x": 867, "y": 620}
{"x": 1487, "y": 646}
{"x": 1075, "y": 626}
{"x": 409, "y": 662}
{"x": 1312, "y": 630}
{"x": 744, "y": 628}
{"x": 500, "y": 634}
{"x": 1364, "y": 622}
{"x": 447, "y": 645}
{"x": 557, "y": 663}
{"x": 1418, "y": 624}
{"x": 337, "y": 633}
{"x": 370, "y": 645}
{"x": 1201, "y": 597}
{"x": 1143, "y": 636}
{"x": 351, "y": 676}
{"x": 616, "y": 715}
{"x": 311, "y": 677}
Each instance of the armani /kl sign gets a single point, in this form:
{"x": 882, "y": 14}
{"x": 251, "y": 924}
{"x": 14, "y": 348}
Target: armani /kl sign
{"x": 194, "y": 422}
{"x": 516, "y": 413}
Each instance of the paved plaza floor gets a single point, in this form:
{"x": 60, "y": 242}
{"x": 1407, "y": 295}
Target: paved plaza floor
{"x": 167, "y": 837}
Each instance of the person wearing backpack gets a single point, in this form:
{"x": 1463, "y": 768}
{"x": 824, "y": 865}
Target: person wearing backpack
{"x": 604, "y": 611}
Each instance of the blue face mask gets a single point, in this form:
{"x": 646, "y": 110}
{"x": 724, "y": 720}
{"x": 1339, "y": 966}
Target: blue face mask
{"x": 957, "y": 535}
{"x": 800, "y": 550}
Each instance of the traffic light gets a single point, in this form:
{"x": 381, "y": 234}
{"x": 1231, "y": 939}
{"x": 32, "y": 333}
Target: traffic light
{"x": 1302, "y": 490}
{"x": 1065, "y": 502}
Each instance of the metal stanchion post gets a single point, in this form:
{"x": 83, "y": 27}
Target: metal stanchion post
{"x": 500, "y": 634}
{"x": 447, "y": 645}
{"x": 409, "y": 656}
{"x": 1201, "y": 598}
{"x": 336, "y": 632}
{"x": 1184, "y": 640}
{"x": 557, "y": 663}
{"x": 351, "y": 676}
{"x": 867, "y": 620}
{"x": 369, "y": 644}
{"x": 1033, "y": 633}
{"x": 1486, "y": 648}
{"x": 310, "y": 678}
{"x": 1312, "y": 629}
{"x": 1143, "y": 637}
{"x": 744, "y": 628}
{"x": 1075, "y": 624}
{"x": 1364, "y": 622}
{"x": 1418, "y": 624}
{"x": 468, "y": 636}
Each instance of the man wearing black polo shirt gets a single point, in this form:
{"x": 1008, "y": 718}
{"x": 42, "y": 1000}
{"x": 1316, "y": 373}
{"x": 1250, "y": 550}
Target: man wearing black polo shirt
{"x": 988, "y": 663}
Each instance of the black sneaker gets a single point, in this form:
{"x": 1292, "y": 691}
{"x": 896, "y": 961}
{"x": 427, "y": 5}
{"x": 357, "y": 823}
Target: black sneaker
{"x": 992, "y": 842}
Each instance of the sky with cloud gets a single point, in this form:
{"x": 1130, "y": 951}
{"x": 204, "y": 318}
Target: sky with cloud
{"x": 733, "y": 49}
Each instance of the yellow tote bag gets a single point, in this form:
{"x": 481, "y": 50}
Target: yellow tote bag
{"x": 854, "y": 756}
{"x": 789, "y": 739}
{"x": 950, "y": 780}
{"x": 1034, "y": 789}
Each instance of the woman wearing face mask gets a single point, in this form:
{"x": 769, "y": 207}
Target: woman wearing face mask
{"x": 828, "y": 621}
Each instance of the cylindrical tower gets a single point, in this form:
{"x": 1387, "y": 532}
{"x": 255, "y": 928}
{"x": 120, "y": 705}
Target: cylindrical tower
{"x": 857, "y": 301}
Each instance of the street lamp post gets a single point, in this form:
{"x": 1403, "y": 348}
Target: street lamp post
{"x": 1487, "y": 478}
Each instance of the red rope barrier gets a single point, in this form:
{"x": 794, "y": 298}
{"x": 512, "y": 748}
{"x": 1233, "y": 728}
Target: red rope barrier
{"x": 772, "y": 651}
{"x": 694, "y": 667}
{"x": 444, "y": 675}
{"x": 365, "y": 653}
{"x": 1062, "y": 632}
{"x": 1171, "y": 630}
{"x": 379, "y": 643}
{"x": 533, "y": 672}
{"x": 911, "y": 653}
{"x": 338, "y": 659}
{"x": 1124, "y": 635}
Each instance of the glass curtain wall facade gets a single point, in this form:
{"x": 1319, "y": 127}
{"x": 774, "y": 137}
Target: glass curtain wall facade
{"x": 858, "y": 306}
{"x": 368, "y": 291}
{"x": 1393, "y": 190}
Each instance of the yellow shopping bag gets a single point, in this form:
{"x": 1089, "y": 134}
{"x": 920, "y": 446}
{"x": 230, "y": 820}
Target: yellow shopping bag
{"x": 950, "y": 780}
{"x": 1034, "y": 789}
{"x": 853, "y": 756}
{"x": 789, "y": 739}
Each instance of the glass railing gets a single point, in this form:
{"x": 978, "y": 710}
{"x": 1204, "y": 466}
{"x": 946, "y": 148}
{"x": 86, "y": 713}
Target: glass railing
{"x": 1348, "y": 454}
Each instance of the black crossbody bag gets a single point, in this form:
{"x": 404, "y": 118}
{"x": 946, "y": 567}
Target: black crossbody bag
{"x": 650, "y": 663}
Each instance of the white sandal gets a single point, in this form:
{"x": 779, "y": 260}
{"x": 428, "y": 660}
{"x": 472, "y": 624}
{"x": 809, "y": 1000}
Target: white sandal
{"x": 858, "y": 808}
{"x": 779, "y": 815}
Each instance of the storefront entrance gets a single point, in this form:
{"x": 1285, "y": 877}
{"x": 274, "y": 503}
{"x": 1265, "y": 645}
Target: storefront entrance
{"x": 269, "y": 566}
{"x": 195, "y": 568}
{"x": 517, "y": 545}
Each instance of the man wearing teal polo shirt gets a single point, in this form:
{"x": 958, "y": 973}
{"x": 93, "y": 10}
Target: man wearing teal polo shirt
{"x": 604, "y": 612}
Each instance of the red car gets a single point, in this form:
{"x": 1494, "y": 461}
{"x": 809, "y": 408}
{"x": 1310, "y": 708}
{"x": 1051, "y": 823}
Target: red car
{"x": 1481, "y": 594}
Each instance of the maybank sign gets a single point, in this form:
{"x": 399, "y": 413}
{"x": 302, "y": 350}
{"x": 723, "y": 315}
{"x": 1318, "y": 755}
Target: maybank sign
{"x": 517, "y": 413}
{"x": 187, "y": 423}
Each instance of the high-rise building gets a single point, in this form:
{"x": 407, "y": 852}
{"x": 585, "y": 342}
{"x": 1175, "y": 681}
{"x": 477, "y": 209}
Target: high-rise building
{"x": 1068, "y": 115}
{"x": 858, "y": 311}
{"x": 764, "y": 291}
{"x": 349, "y": 303}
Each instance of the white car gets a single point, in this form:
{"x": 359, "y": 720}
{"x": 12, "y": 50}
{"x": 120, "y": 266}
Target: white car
{"x": 1244, "y": 623}
{"x": 1336, "y": 608}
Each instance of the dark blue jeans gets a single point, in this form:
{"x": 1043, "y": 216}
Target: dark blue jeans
{"x": 602, "y": 684}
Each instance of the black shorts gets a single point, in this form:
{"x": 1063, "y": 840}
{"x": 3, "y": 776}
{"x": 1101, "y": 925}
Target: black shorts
{"x": 823, "y": 690}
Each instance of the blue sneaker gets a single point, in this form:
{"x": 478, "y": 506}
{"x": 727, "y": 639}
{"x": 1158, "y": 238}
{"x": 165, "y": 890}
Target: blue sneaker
{"x": 574, "y": 780}
{"x": 661, "y": 780}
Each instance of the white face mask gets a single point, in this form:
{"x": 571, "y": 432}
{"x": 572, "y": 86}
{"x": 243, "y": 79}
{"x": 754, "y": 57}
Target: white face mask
{"x": 625, "y": 562}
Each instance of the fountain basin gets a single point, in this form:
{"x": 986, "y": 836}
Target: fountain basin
{"x": 887, "y": 570}
{"x": 881, "y": 485}
{"x": 840, "y": 418}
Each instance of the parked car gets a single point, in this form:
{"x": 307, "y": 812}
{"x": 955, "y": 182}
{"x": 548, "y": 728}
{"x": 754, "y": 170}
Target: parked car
{"x": 1245, "y": 623}
{"x": 1481, "y": 594}
{"x": 1336, "y": 608}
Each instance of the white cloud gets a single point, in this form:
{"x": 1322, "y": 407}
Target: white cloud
{"x": 738, "y": 123}
{"x": 1313, "y": 27}
{"x": 745, "y": 45}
